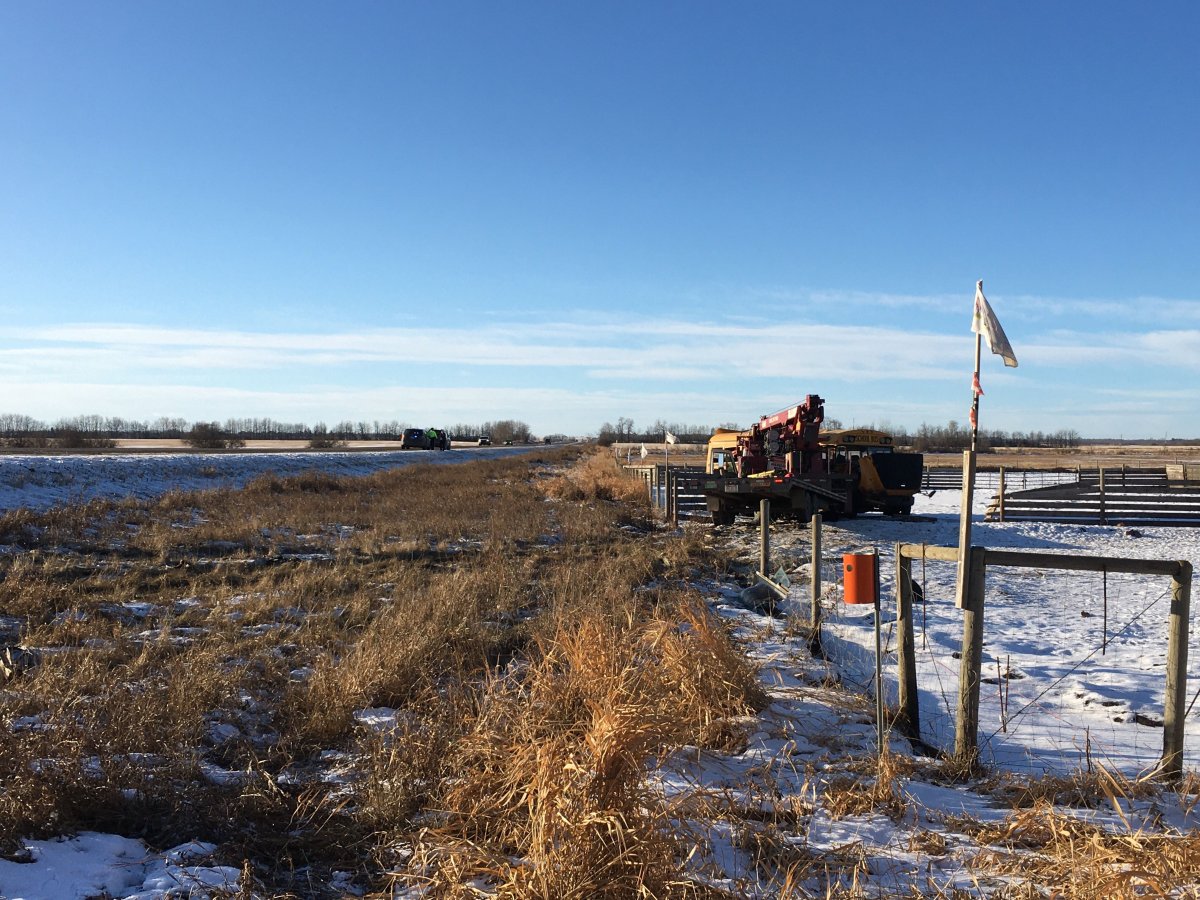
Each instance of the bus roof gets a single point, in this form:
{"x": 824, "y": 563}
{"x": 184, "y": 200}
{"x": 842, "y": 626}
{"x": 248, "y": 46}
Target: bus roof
{"x": 725, "y": 438}
{"x": 856, "y": 437}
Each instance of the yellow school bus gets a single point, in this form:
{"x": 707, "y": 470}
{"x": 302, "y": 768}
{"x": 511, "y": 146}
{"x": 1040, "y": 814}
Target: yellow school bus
{"x": 870, "y": 455}
{"x": 718, "y": 459}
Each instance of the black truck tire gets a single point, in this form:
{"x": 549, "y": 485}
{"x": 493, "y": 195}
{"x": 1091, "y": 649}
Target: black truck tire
{"x": 723, "y": 516}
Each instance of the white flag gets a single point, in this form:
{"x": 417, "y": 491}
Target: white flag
{"x": 985, "y": 322}
{"x": 645, "y": 452}
{"x": 671, "y": 439}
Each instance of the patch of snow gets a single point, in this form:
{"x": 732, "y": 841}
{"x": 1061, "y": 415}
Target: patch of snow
{"x": 92, "y": 864}
{"x": 381, "y": 718}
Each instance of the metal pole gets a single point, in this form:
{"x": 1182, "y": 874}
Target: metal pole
{"x": 964, "y": 531}
{"x": 968, "y": 490}
{"x": 879, "y": 723}
{"x": 1104, "y": 641}
{"x": 815, "y": 615}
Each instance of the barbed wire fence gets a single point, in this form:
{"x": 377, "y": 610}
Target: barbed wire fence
{"x": 1073, "y": 671}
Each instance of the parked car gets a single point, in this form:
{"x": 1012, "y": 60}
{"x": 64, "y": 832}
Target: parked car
{"x": 420, "y": 439}
{"x": 415, "y": 439}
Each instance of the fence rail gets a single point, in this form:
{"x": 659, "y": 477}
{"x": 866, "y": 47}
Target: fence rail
{"x": 1147, "y": 497}
{"x": 950, "y": 478}
{"x": 674, "y": 489}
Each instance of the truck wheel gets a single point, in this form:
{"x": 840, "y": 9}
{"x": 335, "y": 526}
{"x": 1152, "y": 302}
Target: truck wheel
{"x": 722, "y": 516}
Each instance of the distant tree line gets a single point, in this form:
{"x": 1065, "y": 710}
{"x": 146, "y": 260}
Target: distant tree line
{"x": 22, "y": 430}
{"x": 954, "y": 437}
{"x": 926, "y": 439}
{"x": 89, "y": 431}
{"x": 499, "y": 432}
{"x": 624, "y": 432}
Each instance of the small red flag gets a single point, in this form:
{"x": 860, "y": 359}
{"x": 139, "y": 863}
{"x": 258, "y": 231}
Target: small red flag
{"x": 975, "y": 385}
{"x": 973, "y": 418}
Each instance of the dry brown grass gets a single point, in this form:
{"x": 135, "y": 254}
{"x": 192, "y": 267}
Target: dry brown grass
{"x": 554, "y": 770}
{"x": 598, "y": 477}
{"x": 192, "y": 666}
{"x": 1085, "y": 789}
{"x": 195, "y": 662}
{"x": 1072, "y": 858}
{"x": 878, "y": 789}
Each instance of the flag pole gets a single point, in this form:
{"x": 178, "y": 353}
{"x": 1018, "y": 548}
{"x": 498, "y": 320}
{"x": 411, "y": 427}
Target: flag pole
{"x": 968, "y": 484}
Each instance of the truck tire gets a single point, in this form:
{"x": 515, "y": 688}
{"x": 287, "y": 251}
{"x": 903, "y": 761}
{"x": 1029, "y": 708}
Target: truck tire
{"x": 723, "y": 516}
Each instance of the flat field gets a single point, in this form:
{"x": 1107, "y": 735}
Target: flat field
{"x": 1089, "y": 457}
{"x": 505, "y": 678}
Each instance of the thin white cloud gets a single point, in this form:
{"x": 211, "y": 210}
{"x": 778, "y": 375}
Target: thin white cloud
{"x": 648, "y": 349}
{"x": 1022, "y": 308}
{"x": 1152, "y": 349}
{"x": 678, "y": 368}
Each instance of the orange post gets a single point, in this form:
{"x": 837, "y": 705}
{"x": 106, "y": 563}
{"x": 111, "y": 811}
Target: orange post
{"x": 858, "y": 577}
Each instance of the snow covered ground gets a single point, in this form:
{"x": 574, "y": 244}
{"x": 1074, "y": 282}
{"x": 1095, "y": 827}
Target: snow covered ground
{"x": 43, "y": 482}
{"x": 1077, "y": 683}
{"x": 91, "y": 865}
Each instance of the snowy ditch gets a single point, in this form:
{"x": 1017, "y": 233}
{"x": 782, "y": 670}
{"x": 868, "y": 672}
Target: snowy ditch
{"x": 43, "y": 482}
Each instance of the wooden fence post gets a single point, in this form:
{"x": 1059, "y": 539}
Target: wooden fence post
{"x": 674, "y": 498}
{"x": 1103, "y": 514}
{"x": 764, "y": 536}
{"x": 667, "y": 493}
{"x": 1175, "y": 701}
{"x": 814, "y": 616}
{"x": 966, "y": 728}
{"x": 1001, "y": 494}
{"x": 906, "y": 652}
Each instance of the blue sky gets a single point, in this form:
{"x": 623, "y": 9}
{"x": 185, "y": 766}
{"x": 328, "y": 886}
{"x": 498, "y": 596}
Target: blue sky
{"x": 565, "y": 212}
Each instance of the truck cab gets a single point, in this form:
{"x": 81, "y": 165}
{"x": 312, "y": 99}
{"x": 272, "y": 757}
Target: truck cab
{"x": 718, "y": 457}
